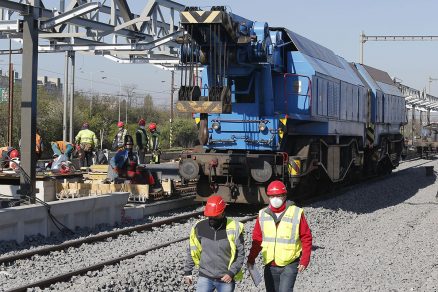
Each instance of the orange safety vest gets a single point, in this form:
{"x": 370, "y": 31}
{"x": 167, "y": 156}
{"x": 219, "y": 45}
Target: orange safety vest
{"x": 62, "y": 145}
{"x": 38, "y": 144}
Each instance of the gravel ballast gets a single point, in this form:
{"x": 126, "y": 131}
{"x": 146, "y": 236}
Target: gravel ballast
{"x": 379, "y": 236}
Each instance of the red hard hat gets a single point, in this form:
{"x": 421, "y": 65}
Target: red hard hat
{"x": 120, "y": 124}
{"x": 64, "y": 169}
{"x": 141, "y": 122}
{"x": 14, "y": 153}
{"x": 215, "y": 206}
{"x": 276, "y": 188}
{"x": 152, "y": 126}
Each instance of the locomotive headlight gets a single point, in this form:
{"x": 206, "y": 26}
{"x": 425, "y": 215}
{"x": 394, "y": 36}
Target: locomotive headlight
{"x": 262, "y": 127}
{"x": 216, "y": 126}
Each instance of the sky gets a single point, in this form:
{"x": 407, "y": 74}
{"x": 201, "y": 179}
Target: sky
{"x": 335, "y": 24}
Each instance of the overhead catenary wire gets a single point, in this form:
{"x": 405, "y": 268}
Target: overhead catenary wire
{"x": 97, "y": 81}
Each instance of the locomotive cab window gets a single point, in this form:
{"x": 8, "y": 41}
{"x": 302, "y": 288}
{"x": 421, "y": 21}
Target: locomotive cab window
{"x": 244, "y": 89}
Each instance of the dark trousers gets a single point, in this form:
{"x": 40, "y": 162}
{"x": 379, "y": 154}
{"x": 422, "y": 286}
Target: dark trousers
{"x": 281, "y": 279}
{"x": 85, "y": 158}
{"x": 141, "y": 158}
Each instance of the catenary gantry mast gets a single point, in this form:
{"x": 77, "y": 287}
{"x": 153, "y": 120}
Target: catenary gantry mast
{"x": 112, "y": 31}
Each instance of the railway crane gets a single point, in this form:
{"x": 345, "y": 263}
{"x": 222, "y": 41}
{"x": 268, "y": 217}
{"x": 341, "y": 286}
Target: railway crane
{"x": 271, "y": 104}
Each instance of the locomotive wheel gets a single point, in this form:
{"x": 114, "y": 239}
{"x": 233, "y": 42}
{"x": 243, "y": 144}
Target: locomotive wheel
{"x": 262, "y": 175}
{"x": 188, "y": 169}
{"x": 203, "y": 131}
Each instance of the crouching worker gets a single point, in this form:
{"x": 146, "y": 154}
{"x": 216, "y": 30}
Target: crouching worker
{"x": 282, "y": 234}
{"x": 216, "y": 248}
{"x": 9, "y": 157}
{"x": 62, "y": 147}
{"x": 123, "y": 166}
{"x": 60, "y": 164}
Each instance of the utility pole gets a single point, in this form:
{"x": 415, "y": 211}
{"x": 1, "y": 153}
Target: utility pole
{"x": 66, "y": 81}
{"x": 29, "y": 105}
{"x": 72, "y": 93}
{"x": 91, "y": 94}
{"x": 10, "y": 96}
{"x": 413, "y": 124}
{"x": 172, "y": 90}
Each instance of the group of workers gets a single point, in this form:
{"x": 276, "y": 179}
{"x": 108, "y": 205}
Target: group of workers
{"x": 86, "y": 142}
{"x": 216, "y": 245}
{"x": 125, "y": 164}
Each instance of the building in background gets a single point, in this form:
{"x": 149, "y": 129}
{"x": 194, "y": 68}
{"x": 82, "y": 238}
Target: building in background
{"x": 51, "y": 84}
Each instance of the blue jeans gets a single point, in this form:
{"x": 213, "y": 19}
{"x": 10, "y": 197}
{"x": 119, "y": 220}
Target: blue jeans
{"x": 208, "y": 285}
{"x": 69, "y": 149}
{"x": 281, "y": 279}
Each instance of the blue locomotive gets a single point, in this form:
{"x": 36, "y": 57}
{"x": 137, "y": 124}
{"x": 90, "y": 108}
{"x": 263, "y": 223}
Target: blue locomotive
{"x": 271, "y": 104}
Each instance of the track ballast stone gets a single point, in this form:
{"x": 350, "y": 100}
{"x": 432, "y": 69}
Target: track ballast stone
{"x": 380, "y": 236}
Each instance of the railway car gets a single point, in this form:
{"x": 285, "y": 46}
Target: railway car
{"x": 427, "y": 145}
{"x": 271, "y": 104}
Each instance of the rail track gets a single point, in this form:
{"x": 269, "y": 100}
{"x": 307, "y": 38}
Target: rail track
{"x": 329, "y": 190}
{"x": 97, "y": 238}
{"x": 67, "y": 276}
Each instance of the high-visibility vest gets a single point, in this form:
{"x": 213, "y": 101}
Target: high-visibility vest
{"x": 234, "y": 229}
{"x": 281, "y": 244}
{"x": 62, "y": 145}
{"x": 144, "y": 137}
{"x": 86, "y": 136}
{"x": 38, "y": 143}
{"x": 154, "y": 141}
{"x": 120, "y": 137}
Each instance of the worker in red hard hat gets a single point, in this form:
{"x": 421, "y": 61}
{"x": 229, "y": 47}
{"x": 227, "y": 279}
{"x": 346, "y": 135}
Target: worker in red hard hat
{"x": 119, "y": 138}
{"x": 124, "y": 166}
{"x": 216, "y": 247}
{"x": 7, "y": 154}
{"x": 154, "y": 143}
{"x": 282, "y": 234}
{"x": 141, "y": 138}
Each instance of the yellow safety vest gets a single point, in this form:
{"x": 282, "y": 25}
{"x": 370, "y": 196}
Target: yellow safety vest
{"x": 234, "y": 229}
{"x": 86, "y": 136}
{"x": 282, "y": 244}
{"x": 144, "y": 137}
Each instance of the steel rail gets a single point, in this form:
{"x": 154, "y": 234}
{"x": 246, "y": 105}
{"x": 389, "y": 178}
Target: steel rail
{"x": 96, "y": 238}
{"x": 67, "y": 276}
{"x": 339, "y": 190}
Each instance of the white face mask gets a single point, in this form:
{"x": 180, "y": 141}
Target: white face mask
{"x": 142, "y": 127}
{"x": 276, "y": 202}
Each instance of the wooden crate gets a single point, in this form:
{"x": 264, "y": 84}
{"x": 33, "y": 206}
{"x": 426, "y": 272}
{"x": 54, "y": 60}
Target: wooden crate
{"x": 75, "y": 190}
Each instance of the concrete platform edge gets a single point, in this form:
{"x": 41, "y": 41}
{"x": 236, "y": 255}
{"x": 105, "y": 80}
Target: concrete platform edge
{"x": 18, "y": 222}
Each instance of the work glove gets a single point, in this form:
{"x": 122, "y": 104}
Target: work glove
{"x": 188, "y": 280}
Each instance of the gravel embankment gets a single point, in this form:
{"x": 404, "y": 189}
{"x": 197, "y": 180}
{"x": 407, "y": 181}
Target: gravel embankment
{"x": 35, "y": 242}
{"x": 380, "y": 236}
{"x": 44, "y": 266}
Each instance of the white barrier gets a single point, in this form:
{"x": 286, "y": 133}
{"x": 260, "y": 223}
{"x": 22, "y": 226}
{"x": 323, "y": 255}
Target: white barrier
{"x": 46, "y": 190}
{"x": 21, "y": 221}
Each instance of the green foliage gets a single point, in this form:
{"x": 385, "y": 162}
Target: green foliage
{"x": 101, "y": 114}
{"x": 184, "y": 133}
